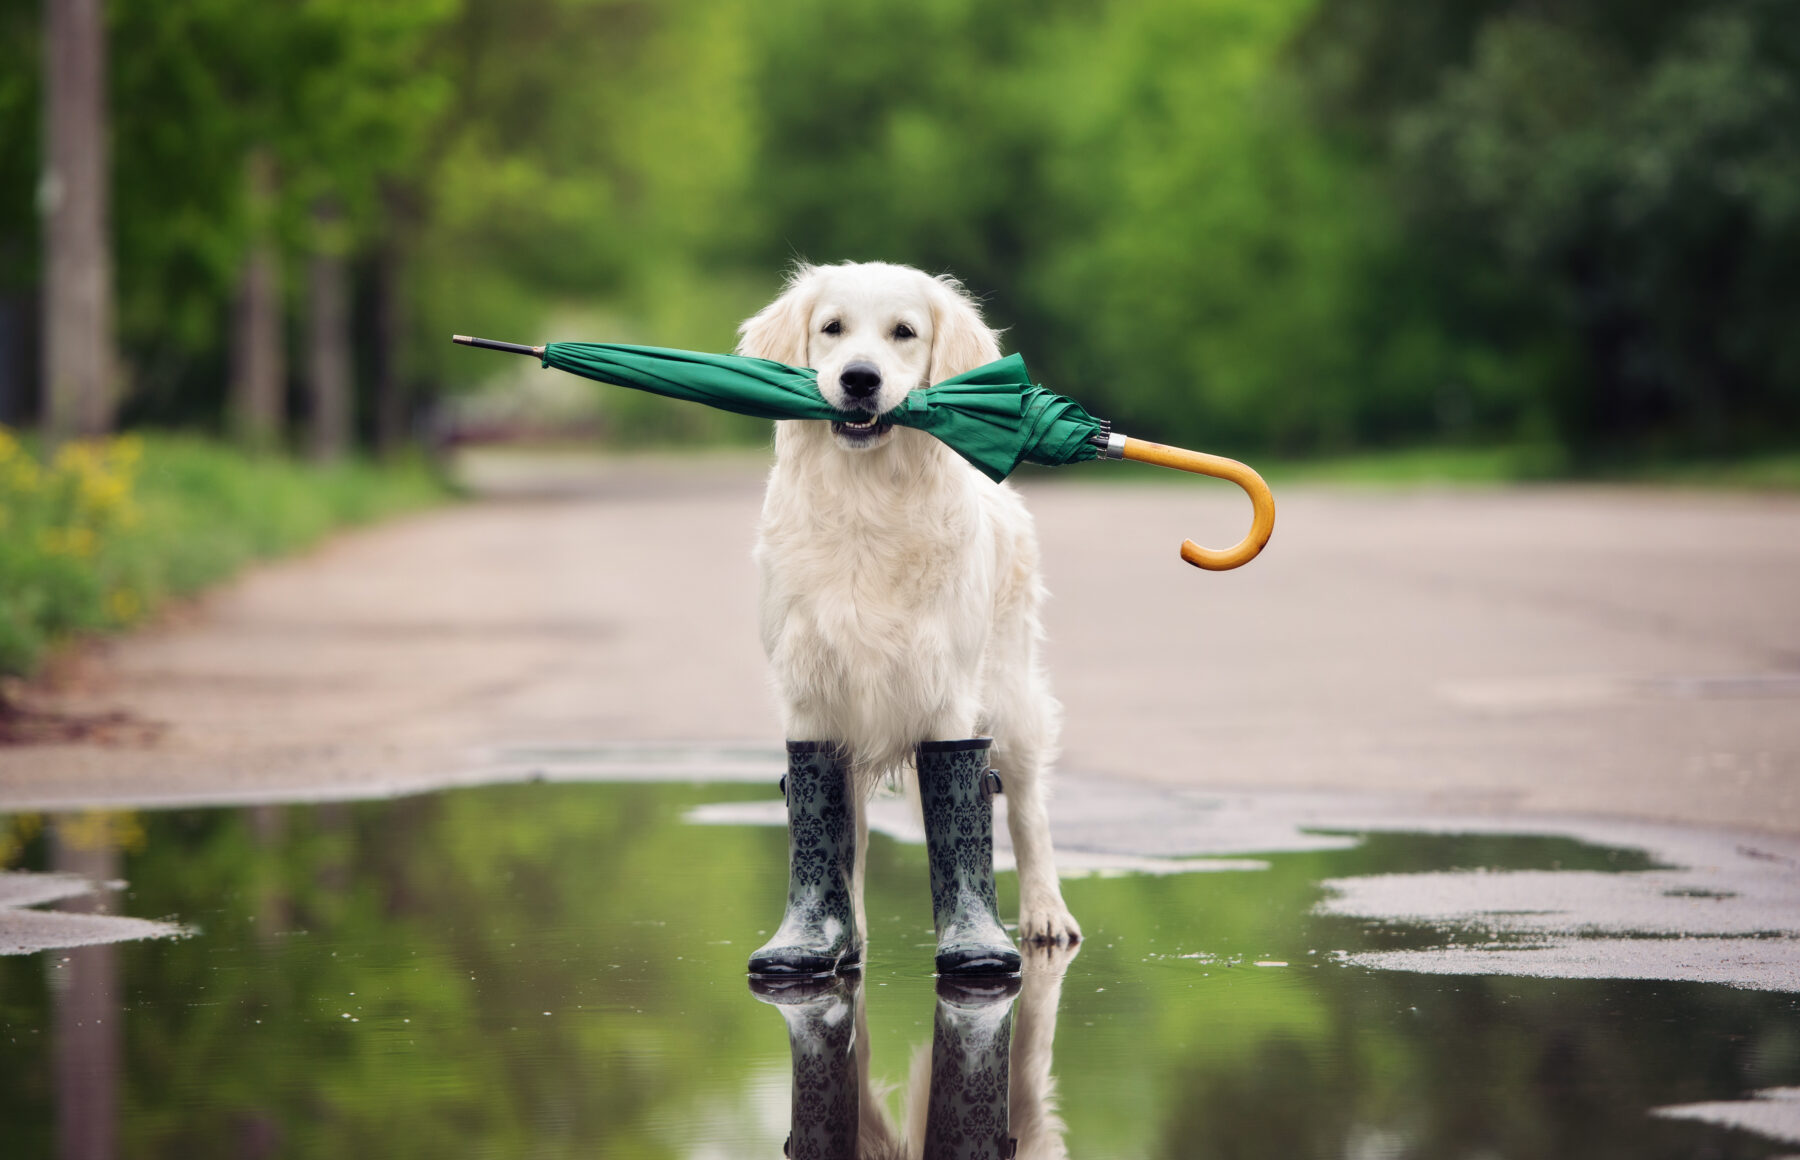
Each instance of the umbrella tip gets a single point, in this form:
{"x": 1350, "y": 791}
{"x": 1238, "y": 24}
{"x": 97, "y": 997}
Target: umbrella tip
{"x": 463, "y": 339}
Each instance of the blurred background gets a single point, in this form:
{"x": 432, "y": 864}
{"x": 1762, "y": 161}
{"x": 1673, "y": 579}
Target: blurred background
{"x": 1277, "y": 226}
{"x": 1502, "y": 238}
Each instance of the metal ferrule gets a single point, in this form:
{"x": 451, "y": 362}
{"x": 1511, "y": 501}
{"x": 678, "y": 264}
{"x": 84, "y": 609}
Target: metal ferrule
{"x": 1114, "y": 447}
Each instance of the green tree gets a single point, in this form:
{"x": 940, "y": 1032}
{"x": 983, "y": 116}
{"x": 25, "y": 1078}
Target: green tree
{"x": 1612, "y": 193}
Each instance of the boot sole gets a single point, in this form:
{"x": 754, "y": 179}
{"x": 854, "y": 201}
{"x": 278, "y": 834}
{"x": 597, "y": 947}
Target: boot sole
{"x": 814, "y": 969}
{"x": 986, "y": 964}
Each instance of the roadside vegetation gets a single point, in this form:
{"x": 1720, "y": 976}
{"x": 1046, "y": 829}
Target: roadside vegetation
{"x": 105, "y": 531}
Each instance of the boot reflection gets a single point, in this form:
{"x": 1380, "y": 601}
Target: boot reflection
{"x": 822, "y": 1018}
{"x": 971, "y": 1062}
{"x": 984, "y": 1088}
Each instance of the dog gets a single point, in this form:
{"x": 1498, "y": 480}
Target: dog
{"x": 900, "y": 587}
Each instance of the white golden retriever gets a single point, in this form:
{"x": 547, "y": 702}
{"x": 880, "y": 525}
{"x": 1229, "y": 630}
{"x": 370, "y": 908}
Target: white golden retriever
{"x": 900, "y": 588}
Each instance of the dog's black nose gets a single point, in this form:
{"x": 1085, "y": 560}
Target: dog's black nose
{"x": 860, "y": 380}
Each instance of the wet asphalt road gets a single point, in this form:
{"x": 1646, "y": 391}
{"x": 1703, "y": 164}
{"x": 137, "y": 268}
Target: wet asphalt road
{"x": 1573, "y": 651}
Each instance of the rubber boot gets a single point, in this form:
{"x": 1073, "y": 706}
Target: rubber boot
{"x": 818, "y": 935}
{"x": 971, "y": 1063}
{"x": 957, "y": 789}
{"x": 821, "y": 1022}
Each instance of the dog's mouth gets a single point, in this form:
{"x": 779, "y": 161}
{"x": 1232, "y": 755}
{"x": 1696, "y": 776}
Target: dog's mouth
{"x": 860, "y": 432}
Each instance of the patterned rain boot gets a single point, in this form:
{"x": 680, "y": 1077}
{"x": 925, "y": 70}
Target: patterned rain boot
{"x": 971, "y": 1057}
{"x": 821, "y": 1023}
{"x": 818, "y": 935}
{"x": 957, "y": 791}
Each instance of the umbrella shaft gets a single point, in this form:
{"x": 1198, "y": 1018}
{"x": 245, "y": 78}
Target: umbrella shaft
{"x": 490, "y": 344}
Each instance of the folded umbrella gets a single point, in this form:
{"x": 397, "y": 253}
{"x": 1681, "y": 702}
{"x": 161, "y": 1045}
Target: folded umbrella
{"x": 993, "y": 416}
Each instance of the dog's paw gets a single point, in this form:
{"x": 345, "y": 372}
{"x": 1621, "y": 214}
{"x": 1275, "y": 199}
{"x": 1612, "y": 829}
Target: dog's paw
{"x": 1048, "y": 923}
{"x": 1048, "y": 958}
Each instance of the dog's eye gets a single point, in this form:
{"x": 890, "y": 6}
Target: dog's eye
{"x": 904, "y": 331}
{"x": 833, "y": 327}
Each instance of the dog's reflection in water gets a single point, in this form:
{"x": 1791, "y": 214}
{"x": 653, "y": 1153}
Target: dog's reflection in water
{"x": 982, "y": 1092}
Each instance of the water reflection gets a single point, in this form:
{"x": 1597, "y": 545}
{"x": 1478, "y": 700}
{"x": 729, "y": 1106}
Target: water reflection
{"x": 558, "y": 970}
{"x": 828, "y": 1036}
{"x": 85, "y": 994}
{"x": 971, "y": 1052}
{"x": 980, "y": 1093}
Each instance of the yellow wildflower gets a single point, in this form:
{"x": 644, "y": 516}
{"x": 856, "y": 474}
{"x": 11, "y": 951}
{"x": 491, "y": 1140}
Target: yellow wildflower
{"x": 76, "y": 541}
{"x": 76, "y": 455}
{"x": 125, "y": 605}
{"x": 127, "y": 450}
{"x": 101, "y": 492}
{"x": 15, "y": 833}
{"x": 102, "y": 830}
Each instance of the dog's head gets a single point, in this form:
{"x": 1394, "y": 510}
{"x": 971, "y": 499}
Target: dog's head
{"x": 874, "y": 332}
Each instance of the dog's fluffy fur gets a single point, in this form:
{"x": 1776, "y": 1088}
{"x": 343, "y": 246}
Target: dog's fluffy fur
{"x": 900, "y": 587}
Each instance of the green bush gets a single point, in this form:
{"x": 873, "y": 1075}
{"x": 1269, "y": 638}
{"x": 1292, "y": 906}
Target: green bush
{"x": 105, "y": 531}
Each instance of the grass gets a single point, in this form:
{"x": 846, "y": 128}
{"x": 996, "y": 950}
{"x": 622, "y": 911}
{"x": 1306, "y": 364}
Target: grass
{"x": 1507, "y": 463}
{"x": 1773, "y": 471}
{"x": 105, "y": 532}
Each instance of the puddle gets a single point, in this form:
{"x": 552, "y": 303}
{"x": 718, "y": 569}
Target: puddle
{"x": 557, "y": 969}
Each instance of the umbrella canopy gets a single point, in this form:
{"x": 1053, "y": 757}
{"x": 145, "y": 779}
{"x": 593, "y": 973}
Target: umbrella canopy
{"x": 993, "y": 416}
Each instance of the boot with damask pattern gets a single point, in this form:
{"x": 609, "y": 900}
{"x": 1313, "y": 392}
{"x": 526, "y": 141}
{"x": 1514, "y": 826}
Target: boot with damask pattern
{"x": 966, "y": 1116}
{"x": 822, "y": 1018}
{"x": 818, "y": 935}
{"x": 956, "y": 789}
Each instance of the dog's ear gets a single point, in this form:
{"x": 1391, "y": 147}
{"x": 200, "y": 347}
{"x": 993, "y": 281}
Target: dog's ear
{"x": 960, "y": 340}
{"x": 779, "y": 330}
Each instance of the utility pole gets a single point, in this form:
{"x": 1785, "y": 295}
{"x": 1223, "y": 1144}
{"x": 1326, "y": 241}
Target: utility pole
{"x": 80, "y": 363}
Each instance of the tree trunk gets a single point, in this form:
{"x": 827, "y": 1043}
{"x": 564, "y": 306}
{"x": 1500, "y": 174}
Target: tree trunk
{"x": 80, "y": 364}
{"x": 17, "y": 380}
{"x": 328, "y": 374}
{"x": 391, "y": 403}
{"x": 258, "y": 354}
{"x": 87, "y": 1050}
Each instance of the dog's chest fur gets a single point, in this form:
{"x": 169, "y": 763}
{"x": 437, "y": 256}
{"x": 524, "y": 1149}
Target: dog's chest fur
{"x": 878, "y": 584}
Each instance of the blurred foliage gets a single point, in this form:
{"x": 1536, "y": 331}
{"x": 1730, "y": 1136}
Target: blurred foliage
{"x": 105, "y": 531}
{"x": 1613, "y": 186}
{"x": 1297, "y": 226}
{"x": 557, "y": 970}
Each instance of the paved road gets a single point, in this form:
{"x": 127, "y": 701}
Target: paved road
{"x": 1583, "y": 650}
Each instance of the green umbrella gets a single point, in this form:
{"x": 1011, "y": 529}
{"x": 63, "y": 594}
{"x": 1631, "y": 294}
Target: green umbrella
{"x": 993, "y": 416}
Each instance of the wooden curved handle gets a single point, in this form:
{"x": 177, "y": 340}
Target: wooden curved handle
{"x": 1262, "y": 502}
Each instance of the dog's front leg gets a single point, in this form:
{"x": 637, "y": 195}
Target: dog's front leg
{"x": 1043, "y": 916}
{"x": 1031, "y": 1101}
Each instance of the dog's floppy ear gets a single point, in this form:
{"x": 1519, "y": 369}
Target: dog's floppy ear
{"x": 779, "y": 330}
{"x": 960, "y": 340}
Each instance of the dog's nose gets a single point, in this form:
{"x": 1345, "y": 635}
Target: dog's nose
{"x": 860, "y": 380}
